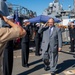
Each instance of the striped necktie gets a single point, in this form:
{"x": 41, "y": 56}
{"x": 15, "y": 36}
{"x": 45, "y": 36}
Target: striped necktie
{"x": 50, "y": 31}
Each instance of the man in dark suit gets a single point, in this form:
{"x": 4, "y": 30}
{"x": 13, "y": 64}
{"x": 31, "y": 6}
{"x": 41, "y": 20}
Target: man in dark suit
{"x": 72, "y": 35}
{"x": 8, "y": 54}
{"x": 51, "y": 41}
{"x": 25, "y": 44}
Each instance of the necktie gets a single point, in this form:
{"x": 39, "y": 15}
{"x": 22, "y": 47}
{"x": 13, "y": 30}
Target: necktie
{"x": 50, "y": 31}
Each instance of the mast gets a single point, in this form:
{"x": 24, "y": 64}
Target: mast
{"x": 74, "y": 5}
{"x": 55, "y": 1}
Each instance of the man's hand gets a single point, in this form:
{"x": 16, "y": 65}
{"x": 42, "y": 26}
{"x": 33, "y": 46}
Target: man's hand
{"x": 59, "y": 49}
{"x": 3, "y": 18}
{"x": 45, "y": 24}
{"x": 72, "y": 39}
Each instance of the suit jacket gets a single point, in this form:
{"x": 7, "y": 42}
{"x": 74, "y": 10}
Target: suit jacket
{"x": 54, "y": 41}
{"x": 26, "y": 37}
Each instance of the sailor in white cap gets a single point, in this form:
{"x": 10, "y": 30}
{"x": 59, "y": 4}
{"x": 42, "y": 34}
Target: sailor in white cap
{"x": 8, "y": 53}
{"x": 25, "y": 20}
{"x": 37, "y": 39}
{"x": 10, "y": 17}
{"x": 38, "y": 24}
{"x": 25, "y": 44}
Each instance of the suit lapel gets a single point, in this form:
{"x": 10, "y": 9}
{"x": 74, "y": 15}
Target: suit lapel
{"x": 47, "y": 32}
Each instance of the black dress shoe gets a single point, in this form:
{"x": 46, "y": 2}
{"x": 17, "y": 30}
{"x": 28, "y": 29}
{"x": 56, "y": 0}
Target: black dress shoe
{"x": 37, "y": 54}
{"x": 74, "y": 56}
{"x": 26, "y": 65}
{"x": 46, "y": 68}
{"x": 71, "y": 51}
{"x": 52, "y": 73}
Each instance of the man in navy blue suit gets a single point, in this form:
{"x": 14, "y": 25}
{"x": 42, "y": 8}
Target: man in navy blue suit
{"x": 25, "y": 44}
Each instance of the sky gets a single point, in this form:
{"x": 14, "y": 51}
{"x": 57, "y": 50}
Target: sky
{"x": 39, "y": 6}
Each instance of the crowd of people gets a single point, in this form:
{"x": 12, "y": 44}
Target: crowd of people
{"x": 48, "y": 39}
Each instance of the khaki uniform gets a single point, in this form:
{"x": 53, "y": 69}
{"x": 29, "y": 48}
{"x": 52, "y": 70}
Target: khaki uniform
{"x": 6, "y": 34}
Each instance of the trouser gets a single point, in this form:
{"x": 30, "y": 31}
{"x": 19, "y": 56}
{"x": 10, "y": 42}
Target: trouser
{"x": 53, "y": 61}
{"x": 72, "y": 45}
{"x": 1, "y": 65}
{"x": 25, "y": 52}
{"x": 8, "y": 58}
{"x": 37, "y": 43}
